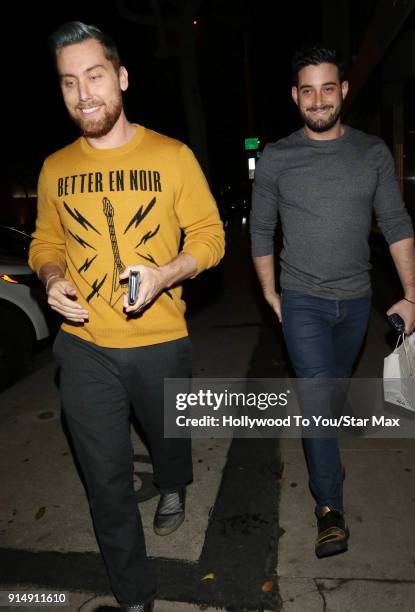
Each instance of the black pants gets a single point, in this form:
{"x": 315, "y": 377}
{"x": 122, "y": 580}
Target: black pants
{"x": 98, "y": 385}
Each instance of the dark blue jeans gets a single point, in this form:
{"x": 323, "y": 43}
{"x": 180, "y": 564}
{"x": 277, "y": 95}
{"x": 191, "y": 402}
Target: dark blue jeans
{"x": 323, "y": 339}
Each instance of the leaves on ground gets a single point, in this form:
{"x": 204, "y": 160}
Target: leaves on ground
{"x": 40, "y": 513}
{"x": 267, "y": 586}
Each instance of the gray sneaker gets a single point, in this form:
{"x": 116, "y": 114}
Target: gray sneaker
{"x": 170, "y": 512}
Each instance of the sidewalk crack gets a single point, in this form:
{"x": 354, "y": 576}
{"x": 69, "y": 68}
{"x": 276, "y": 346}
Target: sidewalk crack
{"x": 321, "y": 590}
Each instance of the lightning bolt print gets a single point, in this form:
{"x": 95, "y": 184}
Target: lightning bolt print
{"x": 148, "y": 257}
{"x": 86, "y": 264}
{"x": 81, "y": 241}
{"x": 80, "y": 218}
{"x": 96, "y": 286}
{"x": 140, "y": 214}
{"x": 148, "y": 236}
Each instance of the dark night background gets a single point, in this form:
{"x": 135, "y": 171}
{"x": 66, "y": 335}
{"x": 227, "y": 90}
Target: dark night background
{"x": 38, "y": 124}
{"x": 242, "y": 49}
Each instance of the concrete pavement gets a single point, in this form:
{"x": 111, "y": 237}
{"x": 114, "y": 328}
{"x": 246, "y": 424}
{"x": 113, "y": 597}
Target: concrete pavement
{"x": 43, "y": 508}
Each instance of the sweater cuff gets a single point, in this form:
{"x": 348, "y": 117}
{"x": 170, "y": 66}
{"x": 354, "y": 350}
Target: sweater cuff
{"x": 202, "y": 254}
{"x": 40, "y": 259}
{"x": 398, "y": 235}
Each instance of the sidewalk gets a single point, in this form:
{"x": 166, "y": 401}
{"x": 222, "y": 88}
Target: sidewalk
{"x": 45, "y": 513}
{"x": 45, "y": 524}
{"x": 44, "y": 507}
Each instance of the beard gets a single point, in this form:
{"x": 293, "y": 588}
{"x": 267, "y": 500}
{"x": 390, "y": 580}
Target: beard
{"x": 322, "y": 125}
{"x": 96, "y": 128}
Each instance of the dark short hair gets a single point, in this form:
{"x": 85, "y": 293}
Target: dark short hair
{"x": 313, "y": 55}
{"x": 75, "y": 32}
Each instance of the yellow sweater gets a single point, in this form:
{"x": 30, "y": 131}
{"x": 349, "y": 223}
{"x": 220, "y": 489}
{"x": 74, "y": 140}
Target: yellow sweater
{"x": 100, "y": 210}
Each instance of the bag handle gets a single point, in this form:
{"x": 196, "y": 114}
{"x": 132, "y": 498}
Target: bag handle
{"x": 406, "y": 352}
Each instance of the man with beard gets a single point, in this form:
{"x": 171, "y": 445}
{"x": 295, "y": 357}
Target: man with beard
{"x": 113, "y": 202}
{"x": 323, "y": 181}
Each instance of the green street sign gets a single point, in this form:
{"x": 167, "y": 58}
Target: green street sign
{"x": 251, "y": 144}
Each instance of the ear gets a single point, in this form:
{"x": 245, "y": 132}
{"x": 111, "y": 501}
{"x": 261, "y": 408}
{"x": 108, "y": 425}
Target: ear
{"x": 294, "y": 94}
{"x": 345, "y": 88}
{"x": 123, "y": 78}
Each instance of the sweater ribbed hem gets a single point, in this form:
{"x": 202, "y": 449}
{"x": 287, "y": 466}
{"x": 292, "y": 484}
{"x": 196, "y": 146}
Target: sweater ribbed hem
{"x": 130, "y": 341}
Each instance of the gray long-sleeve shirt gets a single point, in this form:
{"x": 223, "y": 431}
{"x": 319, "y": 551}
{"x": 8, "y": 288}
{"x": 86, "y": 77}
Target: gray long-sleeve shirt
{"x": 324, "y": 191}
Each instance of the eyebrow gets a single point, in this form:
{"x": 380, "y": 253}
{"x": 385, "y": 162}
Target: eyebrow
{"x": 68, "y": 74}
{"x": 305, "y": 86}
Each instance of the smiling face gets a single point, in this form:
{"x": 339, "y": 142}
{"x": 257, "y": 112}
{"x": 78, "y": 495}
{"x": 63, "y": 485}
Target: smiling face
{"x": 319, "y": 96}
{"x": 91, "y": 87}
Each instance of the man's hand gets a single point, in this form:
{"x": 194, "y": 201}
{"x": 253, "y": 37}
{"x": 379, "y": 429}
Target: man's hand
{"x": 264, "y": 267}
{"x": 152, "y": 283}
{"x": 61, "y": 297}
{"x": 274, "y": 300}
{"x": 406, "y": 310}
{"x": 154, "y": 280}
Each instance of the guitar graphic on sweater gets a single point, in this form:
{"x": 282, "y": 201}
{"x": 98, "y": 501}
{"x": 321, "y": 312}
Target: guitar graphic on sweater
{"x": 116, "y": 289}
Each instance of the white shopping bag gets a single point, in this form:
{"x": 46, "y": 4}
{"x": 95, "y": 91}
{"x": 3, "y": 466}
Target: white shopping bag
{"x": 399, "y": 374}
